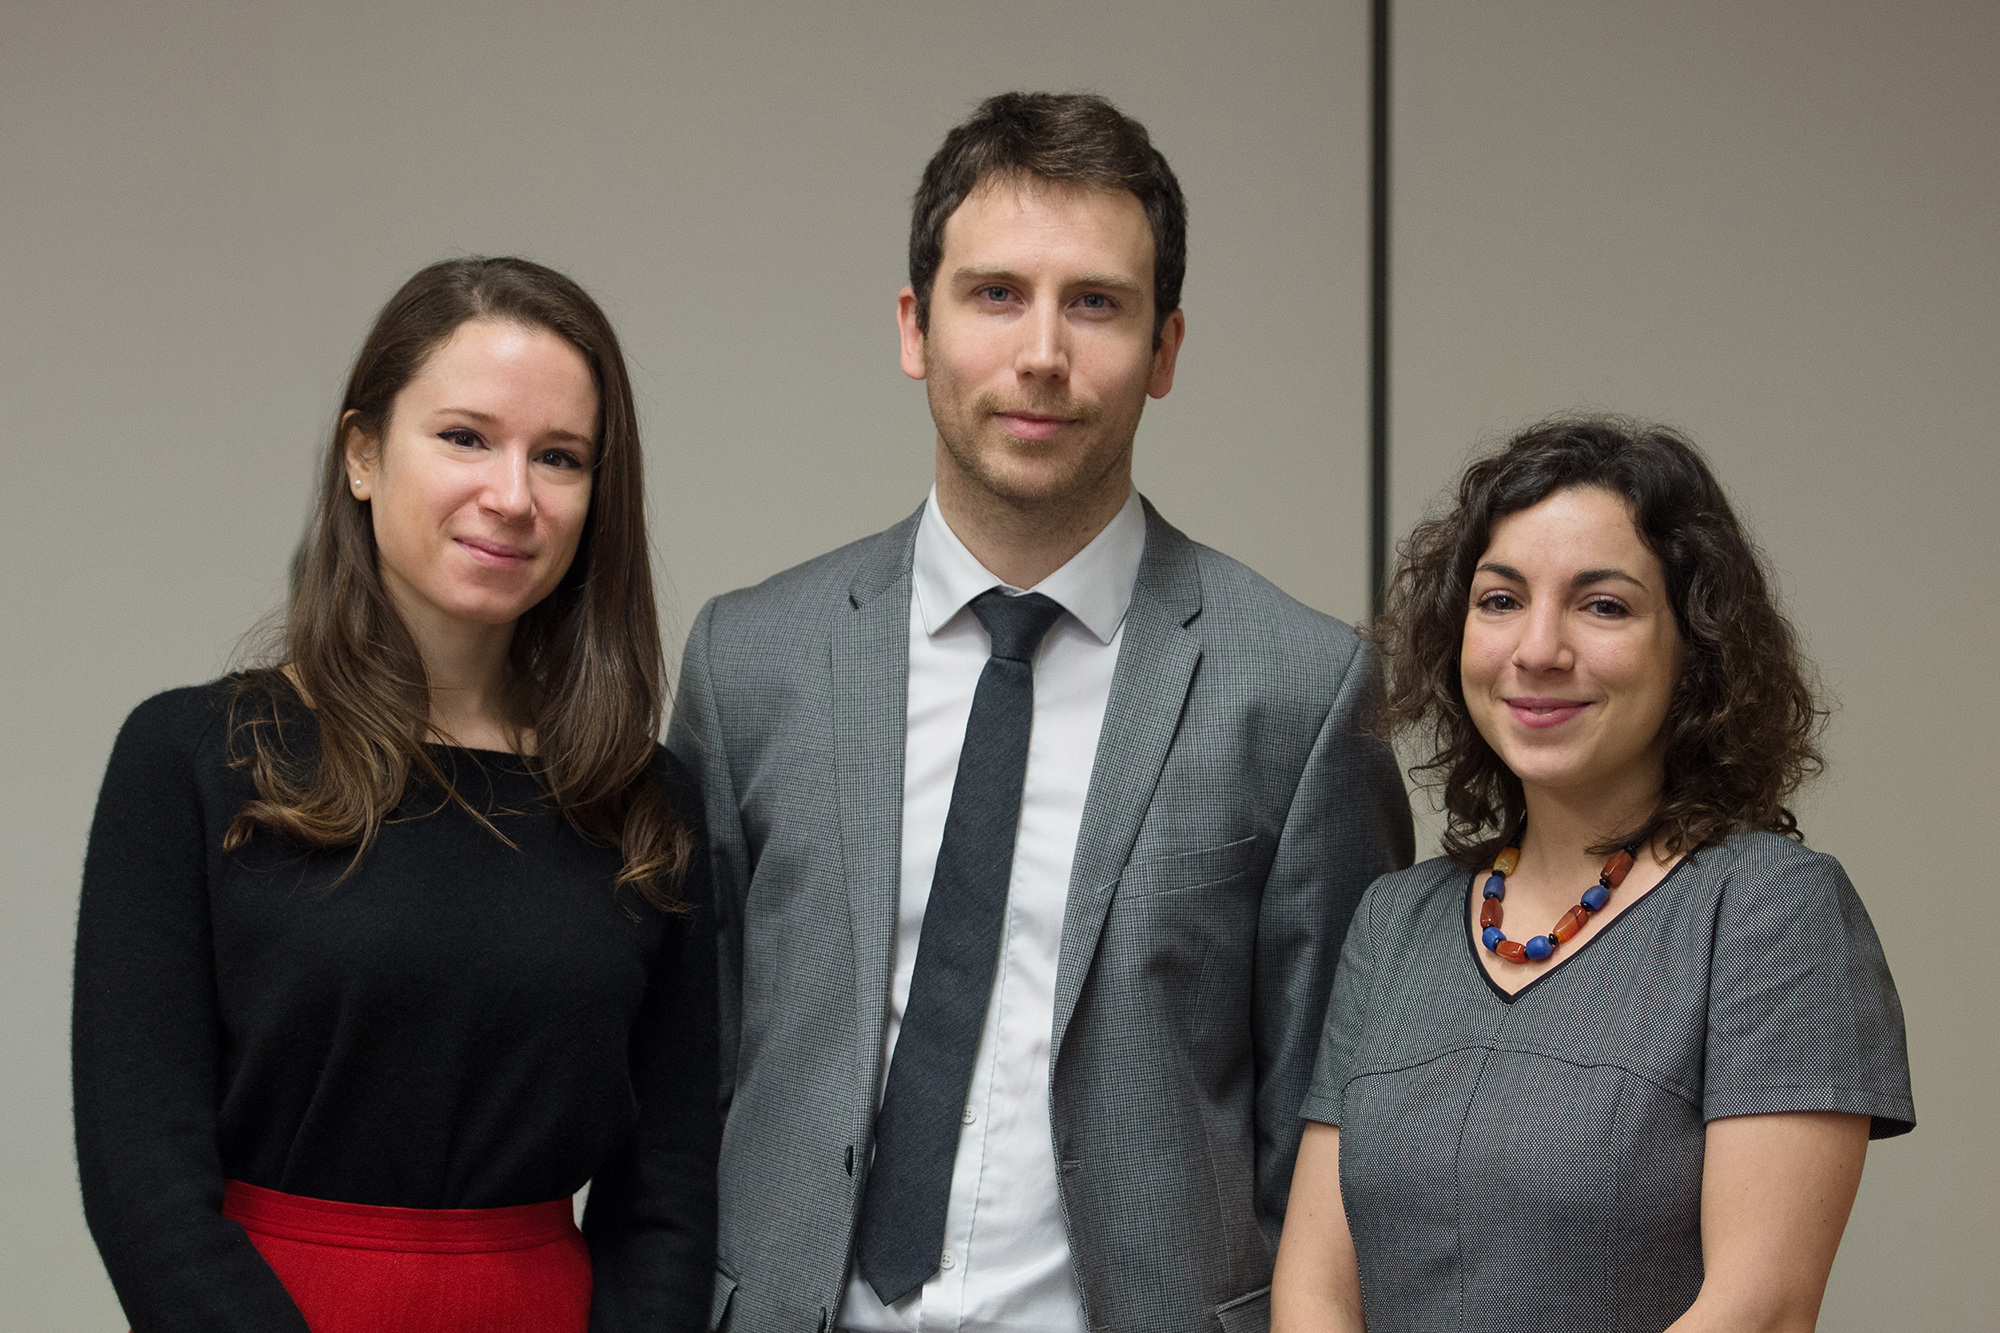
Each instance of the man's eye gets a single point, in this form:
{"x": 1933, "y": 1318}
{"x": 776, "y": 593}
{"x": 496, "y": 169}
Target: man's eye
{"x": 1096, "y": 301}
{"x": 995, "y": 293}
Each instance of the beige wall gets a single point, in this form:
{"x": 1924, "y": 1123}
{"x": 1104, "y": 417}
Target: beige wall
{"x": 203, "y": 205}
{"x": 1776, "y": 225}
{"x": 1772, "y": 224}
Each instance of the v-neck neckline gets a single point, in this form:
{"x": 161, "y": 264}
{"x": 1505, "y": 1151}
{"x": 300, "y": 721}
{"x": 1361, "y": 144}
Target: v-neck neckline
{"x": 1507, "y": 996}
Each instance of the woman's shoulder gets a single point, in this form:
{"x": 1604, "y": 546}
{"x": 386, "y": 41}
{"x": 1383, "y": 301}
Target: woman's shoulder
{"x": 1770, "y": 893}
{"x": 1401, "y": 896}
{"x": 1421, "y": 878}
{"x": 1755, "y": 861}
{"x": 171, "y": 747}
{"x": 192, "y": 720}
{"x": 179, "y": 719}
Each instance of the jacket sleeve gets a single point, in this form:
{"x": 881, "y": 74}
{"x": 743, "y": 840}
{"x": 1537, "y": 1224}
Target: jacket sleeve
{"x": 651, "y": 1216}
{"x": 1349, "y": 822}
{"x": 695, "y": 738}
{"x": 146, "y": 1045}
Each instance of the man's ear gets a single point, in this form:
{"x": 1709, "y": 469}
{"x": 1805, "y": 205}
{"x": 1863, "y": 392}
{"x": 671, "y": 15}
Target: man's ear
{"x": 1172, "y": 330}
{"x": 361, "y": 452}
{"x": 912, "y": 336}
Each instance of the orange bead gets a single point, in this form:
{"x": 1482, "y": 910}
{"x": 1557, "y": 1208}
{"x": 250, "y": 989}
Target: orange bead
{"x": 1505, "y": 862}
{"x": 1489, "y": 915}
{"x": 1511, "y": 950}
{"x": 1572, "y": 921}
{"x": 1615, "y": 869}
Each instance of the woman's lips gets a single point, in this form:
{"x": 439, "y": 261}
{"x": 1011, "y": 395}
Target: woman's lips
{"x": 1031, "y": 425}
{"x": 1545, "y": 712}
{"x": 494, "y": 555}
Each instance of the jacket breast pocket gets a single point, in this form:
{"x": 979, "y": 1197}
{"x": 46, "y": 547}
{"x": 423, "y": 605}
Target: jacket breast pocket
{"x": 1246, "y": 1314}
{"x": 1215, "y": 867}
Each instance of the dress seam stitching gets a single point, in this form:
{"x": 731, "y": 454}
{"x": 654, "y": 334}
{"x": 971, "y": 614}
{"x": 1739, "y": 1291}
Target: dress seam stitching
{"x": 1493, "y": 1047}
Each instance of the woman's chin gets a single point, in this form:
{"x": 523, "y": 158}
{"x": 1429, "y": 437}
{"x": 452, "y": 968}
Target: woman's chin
{"x": 489, "y": 608}
{"x": 1544, "y": 761}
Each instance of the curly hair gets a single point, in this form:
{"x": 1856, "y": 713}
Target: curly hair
{"x": 1744, "y": 721}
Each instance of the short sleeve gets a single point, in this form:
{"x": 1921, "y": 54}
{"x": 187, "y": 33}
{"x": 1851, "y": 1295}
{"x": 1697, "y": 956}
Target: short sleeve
{"x": 1803, "y": 1015}
{"x": 1345, "y": 1014}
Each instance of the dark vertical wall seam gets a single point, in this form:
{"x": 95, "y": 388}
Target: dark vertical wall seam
{"x": 1378, "y": 309}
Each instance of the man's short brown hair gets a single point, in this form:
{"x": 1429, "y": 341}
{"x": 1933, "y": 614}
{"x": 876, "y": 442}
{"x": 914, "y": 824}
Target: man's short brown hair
{"x": 1075, "y": 139}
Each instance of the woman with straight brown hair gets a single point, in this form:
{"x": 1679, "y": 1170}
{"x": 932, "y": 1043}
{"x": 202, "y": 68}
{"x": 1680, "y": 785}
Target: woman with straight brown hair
{"x": 389, "y": 947}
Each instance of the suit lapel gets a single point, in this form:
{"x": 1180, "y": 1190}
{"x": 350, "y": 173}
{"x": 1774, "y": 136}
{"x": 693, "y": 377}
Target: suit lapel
{"x": 1156, "y": 665}
{"x": 869, "y": 656}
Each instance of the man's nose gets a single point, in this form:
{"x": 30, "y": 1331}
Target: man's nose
{"x": 1044, "y": 350}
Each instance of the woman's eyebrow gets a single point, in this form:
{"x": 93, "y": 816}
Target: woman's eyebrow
{"x": 1589, "y": 576}
{"x": 553, "y": 433}
{"x": 1582, "y": 579}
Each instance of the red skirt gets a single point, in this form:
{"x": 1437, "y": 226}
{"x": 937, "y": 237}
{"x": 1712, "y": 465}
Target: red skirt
{"x": 354, "y": 1268}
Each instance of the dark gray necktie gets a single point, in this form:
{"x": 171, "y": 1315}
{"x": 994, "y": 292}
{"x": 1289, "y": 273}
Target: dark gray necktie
{"x": 901, "y": 1235}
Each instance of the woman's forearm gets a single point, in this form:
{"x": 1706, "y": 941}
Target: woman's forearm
{"x": 1317, "y": 1285}
{"x": 1775, "y": 1194}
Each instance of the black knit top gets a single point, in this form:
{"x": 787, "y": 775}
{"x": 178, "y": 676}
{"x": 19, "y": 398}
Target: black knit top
{"x": 457, "y": 1024}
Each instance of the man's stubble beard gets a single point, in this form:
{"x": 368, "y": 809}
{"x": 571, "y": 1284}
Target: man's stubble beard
{"x": 1084, "y": 472}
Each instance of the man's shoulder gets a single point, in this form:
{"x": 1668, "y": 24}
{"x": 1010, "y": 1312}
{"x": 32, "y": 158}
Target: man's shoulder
{"x": 806, "y": 593}
{"x": 1231, "y": 588}
{"x": 1244, "y": 612}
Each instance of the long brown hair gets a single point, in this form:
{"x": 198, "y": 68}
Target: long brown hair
{"x": 1744, "y": 720}
{"x": 585, "y": 668}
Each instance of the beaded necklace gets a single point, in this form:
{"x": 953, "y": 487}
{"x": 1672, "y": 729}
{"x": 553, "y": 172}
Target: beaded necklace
{"x": 1539, "y": 947}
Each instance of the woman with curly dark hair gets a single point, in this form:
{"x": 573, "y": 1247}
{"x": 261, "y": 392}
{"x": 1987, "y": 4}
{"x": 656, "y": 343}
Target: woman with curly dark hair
{"x": 388, "y": 947}
{"x": 1613, "y": 1061}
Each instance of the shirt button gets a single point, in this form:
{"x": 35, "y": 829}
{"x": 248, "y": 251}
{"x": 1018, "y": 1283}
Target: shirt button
{"x": 944, "y": 1260}
{"x": 968, "y": 1117}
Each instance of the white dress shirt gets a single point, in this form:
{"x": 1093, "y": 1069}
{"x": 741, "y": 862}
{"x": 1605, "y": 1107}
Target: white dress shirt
{"x": 1006, "y": 1264}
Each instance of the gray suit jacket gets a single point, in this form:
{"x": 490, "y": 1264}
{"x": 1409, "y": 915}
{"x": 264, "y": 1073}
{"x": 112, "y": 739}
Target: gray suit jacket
{"x": 1236, "y": 812}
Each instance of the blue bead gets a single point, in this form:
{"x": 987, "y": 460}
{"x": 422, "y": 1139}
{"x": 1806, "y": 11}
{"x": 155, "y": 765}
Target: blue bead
{"x": 1596, "y": 896}
{"x": 1538, "y": 948}
{"x": 1491, "y": 936}
{"x": 1496, "y": 886}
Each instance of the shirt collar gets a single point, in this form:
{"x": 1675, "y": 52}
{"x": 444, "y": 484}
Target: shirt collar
{"x": 1095, "y": 585}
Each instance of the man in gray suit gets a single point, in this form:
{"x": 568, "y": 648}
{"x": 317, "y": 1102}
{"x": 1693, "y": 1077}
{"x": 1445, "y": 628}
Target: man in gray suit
{"x": 1035, "y": 825}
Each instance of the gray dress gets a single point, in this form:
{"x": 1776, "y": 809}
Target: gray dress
{"x": 1534, "y": 1162}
